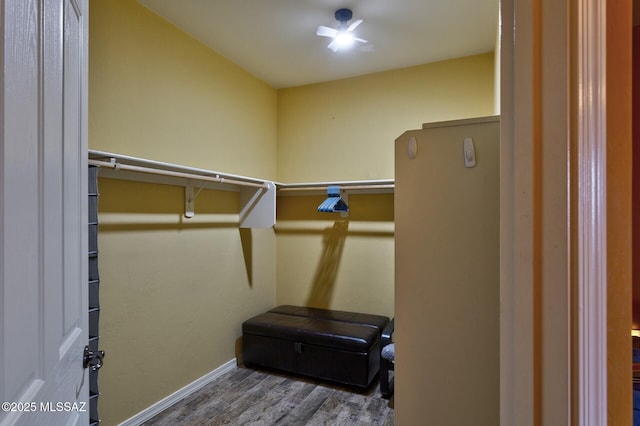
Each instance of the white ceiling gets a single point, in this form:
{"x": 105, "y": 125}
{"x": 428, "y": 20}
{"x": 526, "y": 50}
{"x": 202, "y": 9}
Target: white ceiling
{"x": 275, "y": 39}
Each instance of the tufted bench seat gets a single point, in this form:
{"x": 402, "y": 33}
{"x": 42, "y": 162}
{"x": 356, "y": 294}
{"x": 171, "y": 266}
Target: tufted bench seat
{"x": 326, "y": 344}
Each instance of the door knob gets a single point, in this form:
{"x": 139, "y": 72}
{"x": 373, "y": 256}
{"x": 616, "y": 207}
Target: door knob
{"x": 93, "y": 359}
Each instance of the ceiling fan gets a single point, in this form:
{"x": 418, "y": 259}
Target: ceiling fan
{"x": 342, "y": 36}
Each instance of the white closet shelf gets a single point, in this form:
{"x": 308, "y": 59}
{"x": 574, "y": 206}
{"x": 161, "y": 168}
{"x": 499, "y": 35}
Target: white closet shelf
{"x": 257, "y": 196}
{"x": 159, "y": 168}
{"x": 385, "y": 186}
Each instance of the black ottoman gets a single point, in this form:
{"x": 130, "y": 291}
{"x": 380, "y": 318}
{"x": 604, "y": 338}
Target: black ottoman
{"x": 332, "y": 345}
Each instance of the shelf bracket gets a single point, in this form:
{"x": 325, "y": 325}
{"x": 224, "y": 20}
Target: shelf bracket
{"x": 258, "y": 207}
{"x": 189, "y": 199}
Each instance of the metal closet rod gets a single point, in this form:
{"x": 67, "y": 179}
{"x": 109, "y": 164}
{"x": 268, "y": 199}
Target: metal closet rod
{"x": 142, "y": 165}
{"x": 346, "y": 185}
{"x": 119, "y": 166}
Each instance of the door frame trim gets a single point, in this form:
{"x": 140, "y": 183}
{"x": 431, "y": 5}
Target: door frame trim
{"x": 591, "y": 203}
{"x": 525, "y": 330}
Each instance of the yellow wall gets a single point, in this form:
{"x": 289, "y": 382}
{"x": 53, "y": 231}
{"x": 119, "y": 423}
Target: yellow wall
{"x": 326, "y": 261}
{"x": 344, "y": 130}
{"x": 174, "y": 292}
{"x": 157, "y": 93}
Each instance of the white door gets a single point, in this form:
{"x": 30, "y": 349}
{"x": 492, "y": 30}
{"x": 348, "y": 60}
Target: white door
{"x": 43, "y": 212}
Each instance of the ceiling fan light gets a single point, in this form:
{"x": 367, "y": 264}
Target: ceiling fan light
{"x": 344, "y": 39}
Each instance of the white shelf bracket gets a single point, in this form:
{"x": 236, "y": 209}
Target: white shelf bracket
{"x": 258, "y": 207}
{"x": 189, "y": 200}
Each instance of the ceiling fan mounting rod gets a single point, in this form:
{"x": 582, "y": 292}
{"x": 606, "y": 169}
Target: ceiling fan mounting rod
{"x": 343, "y": 15}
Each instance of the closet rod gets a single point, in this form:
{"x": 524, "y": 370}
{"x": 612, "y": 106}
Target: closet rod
{"x": 119, "y": 166}
{"x": 345, "y": 187}
{"x": 384, "y": 184}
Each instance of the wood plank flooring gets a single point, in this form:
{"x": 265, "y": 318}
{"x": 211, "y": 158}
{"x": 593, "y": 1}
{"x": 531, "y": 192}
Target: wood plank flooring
{"x": 264, "y": 397}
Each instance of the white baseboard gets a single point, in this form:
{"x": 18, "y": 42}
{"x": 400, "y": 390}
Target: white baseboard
{"x": 165, "y": 403}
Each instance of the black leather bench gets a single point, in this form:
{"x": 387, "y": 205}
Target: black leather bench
{"x": 326, "y": 344}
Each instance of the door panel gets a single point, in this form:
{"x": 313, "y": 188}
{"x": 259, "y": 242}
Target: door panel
{"x": 43, "y": 213}
{"x": 73, "y": 194}
{"x": 20, "y": 184}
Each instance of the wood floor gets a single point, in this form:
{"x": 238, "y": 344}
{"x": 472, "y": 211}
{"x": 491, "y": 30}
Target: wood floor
{"x": 259, "y": 397}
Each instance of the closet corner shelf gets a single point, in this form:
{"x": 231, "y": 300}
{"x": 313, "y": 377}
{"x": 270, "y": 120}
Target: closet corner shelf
{"x": 257, "y": 196}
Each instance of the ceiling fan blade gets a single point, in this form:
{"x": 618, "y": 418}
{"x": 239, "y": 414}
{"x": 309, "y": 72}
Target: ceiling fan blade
{"x": 326, "y": 31}
{"x": 354, "y": 25}
{"x": 361, "y": 40}
{"x": 334, "y": 45}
